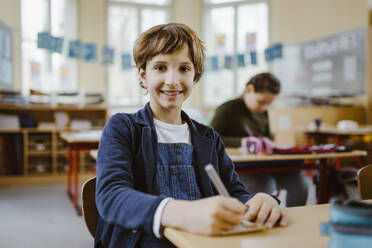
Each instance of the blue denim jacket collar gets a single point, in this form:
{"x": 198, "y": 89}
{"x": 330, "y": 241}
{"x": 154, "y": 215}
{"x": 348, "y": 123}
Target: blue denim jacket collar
{"x": 203, "y": 147}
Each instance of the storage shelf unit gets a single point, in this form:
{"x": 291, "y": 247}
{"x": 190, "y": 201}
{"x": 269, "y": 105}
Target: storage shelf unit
{"x": 43, "y": 153}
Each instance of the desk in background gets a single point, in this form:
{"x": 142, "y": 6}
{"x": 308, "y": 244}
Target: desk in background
{"x": 244, "y": 164}
{"x": 337, "y": 135}
{"x": 76, "y": 142}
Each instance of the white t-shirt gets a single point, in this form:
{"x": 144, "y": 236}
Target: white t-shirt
{"x": 168, "y": 133}
{"x": 172, "y": 133}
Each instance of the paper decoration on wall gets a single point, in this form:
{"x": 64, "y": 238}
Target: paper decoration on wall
{"x": 126, "y": 61}
{"x": 90, "y": 52}
{"x": 228, "y": 62}
{"x": 56, "y": 44}
{"x": 253, "y": 55}
{"x": 64, "y": 73}
{"x": 43, "y": 40}
{"x": 107, "y": 55}
{"x": 269, "y": 55}
{"x": 277, "y": 51}
{"x": 35, "y": 72}
{"x": 214, "y": 63}
{"x": 241, "y": 60}
{"x": 220, "y": 40}
{"x": 211, "y": 63}
{"x": 75, "y": 49}
{"x": 49, "y": 42}
{"x": 250, "y": 42}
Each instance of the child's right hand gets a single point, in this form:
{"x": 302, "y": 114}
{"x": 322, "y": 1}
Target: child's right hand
{"x": 208, "y": 216}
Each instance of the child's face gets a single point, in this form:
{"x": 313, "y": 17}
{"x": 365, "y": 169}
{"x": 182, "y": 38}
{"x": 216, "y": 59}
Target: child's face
{"x": 169, "y": 79}
{"x": 258, "y": 102}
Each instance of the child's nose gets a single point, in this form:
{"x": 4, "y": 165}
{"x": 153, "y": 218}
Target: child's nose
{"x": 172, "y": 77}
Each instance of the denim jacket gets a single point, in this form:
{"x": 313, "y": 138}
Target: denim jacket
{"x": 126, "y": 170}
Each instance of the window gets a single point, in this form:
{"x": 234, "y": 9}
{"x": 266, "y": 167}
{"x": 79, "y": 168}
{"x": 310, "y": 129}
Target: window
{"x": 233, "y": 29}
{"x": 126, "y": 20}
{"x": 41, "y": 69}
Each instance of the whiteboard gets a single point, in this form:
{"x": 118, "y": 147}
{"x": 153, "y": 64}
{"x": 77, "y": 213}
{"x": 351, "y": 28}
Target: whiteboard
{"x": 334, "y": 66}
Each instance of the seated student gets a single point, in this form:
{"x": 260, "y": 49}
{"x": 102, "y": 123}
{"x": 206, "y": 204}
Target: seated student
{"x": 150, "y": 165}
{"x": 251, "y": 110}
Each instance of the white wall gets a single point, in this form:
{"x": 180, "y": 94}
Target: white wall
{"x": 295, "y": 21}
{"x": 92, "y": 27}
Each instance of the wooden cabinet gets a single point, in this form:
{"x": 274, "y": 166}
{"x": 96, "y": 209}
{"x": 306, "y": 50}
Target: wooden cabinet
{"x": 39, "y": 154}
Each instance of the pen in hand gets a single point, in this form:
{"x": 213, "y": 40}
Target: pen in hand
{"x": 217, "y": 182}
{"x": 248, "y": 130}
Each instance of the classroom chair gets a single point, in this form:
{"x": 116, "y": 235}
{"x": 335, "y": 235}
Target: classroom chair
{"x": 88, "y": 199}
{"x": 365, "y": 182}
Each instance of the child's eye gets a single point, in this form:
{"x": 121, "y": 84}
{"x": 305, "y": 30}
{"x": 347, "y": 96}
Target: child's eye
{"x": 160, "y": 68}
{"x": 185, "y": 68}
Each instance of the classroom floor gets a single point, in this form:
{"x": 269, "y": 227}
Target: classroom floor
{"x": 40, "y": 216}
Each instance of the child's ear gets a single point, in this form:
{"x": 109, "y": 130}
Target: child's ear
{"x": 142, "y": 75}
{"x": 249, "y": 88}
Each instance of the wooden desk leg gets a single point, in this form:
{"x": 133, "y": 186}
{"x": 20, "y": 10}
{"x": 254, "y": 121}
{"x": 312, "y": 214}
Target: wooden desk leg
{"x": 69, "y": 167}
{"x": 323, "y": 198}
{"x": 76, "y": 180}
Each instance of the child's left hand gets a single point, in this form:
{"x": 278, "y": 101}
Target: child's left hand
{"x": 263, "y": 209}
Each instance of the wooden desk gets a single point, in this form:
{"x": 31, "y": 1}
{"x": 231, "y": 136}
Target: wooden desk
{"x": 76, "y": 142}
{"x": 244, "y": 165}
{"x": 302, "y": 231}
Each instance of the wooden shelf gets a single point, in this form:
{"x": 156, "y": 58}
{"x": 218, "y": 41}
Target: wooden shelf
{"x": 40, "y": 153}
{"x": 96, "y": 114}
{"x": 62, "y": 152}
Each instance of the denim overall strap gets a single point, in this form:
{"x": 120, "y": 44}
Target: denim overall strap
{"x": 175, "y": 175}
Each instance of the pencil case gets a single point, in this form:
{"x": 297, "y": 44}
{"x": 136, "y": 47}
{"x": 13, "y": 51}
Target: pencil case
{"x": 258, "y": 145}
{"x": 350, "y": 224}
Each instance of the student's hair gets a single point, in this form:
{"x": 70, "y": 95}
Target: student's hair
{"x": 265, "y": 82}
{"x": 166, "y": 39}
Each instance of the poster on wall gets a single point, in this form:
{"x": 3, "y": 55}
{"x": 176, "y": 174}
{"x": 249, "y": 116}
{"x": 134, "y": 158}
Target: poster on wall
{"x": 6, "y": 58}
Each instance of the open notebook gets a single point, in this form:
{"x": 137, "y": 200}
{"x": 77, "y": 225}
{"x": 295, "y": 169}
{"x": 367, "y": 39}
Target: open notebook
{"x": 244, "y": 227}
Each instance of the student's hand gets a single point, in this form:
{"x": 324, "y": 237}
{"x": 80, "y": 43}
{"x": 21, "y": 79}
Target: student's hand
{"x": 263, "y": 209}
{"x": 243, "y": 142}
{"x": 207, "y": 216}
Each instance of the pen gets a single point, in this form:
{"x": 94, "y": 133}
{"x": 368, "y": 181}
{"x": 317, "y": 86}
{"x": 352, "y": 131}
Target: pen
{"x": 248, "y": 130}
{"x": 216, "y": 180}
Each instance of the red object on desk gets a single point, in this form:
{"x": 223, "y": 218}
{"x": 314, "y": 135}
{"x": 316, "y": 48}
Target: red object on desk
{"x": 293, "y": 150}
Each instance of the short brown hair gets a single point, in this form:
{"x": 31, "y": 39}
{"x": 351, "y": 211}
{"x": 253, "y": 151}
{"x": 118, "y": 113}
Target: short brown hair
{"x": 166, "y": 39}
{"x": 265, "y": 82}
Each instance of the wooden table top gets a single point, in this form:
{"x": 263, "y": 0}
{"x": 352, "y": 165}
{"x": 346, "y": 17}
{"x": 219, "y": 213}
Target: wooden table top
{"x": 238, "y": 156}
{"x": 86, "y": 136}
{"x": 93, "y": 154}
{"x": 362, "y": 130}
{"x": 302, "y": 231}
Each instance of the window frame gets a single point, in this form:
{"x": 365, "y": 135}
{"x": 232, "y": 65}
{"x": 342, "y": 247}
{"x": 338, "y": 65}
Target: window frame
{"x": 207, "y": 7}
{"x": 139, "y": 7}
{"x": 26, "y": 86}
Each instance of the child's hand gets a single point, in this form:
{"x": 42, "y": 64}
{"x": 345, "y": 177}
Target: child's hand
{"x": 206, "y": 216}
{"x": 263, "y": 209}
